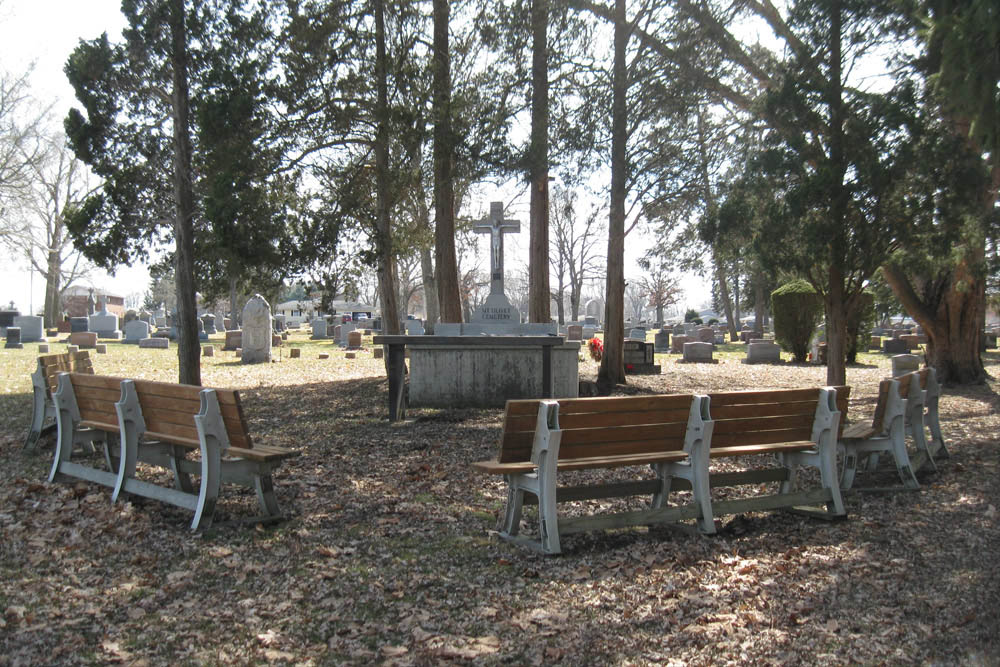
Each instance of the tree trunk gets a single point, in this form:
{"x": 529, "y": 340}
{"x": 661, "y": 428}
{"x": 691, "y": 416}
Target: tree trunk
{"x": 836, "y": 329}
{"x": 949, "y": 312}
{"x": 188, "y": 345}
{"x": 538, "y": 167}
{"x": 54, "y": 265}
{"x": 234, "y": 306}
{"x": 383, "y": 230}
{"x": 449, "y": 299}
{"x": 430, "y": 289}
{"x": 574, "y": 301}
{"x": 727, "y": 302}
{"x": 760, "y": 302}
{"x": 836, "y": 299}
{"x": 612, "y": 371}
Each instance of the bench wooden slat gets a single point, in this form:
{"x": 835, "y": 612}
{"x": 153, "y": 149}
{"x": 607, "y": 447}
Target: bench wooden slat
{"x": 760, "y": 437}
{"x": 766, "y": 448}
{"x": 752, "y": 397}
{"x": 784, "y": 422}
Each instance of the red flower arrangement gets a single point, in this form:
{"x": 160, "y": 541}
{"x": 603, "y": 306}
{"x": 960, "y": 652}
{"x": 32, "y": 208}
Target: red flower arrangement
{"x": 596, "y": 348}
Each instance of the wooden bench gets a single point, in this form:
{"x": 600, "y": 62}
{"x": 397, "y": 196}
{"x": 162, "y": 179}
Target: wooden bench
{"x": 885, "y": 433}
{"x": 43, "y": 382}
{"x": 161, "y": 424}
{"x": 927, "y": 448}
{"x": 544, "y": 437}
{"x": 798, "y": 427}
{"x": 677, "y": 435}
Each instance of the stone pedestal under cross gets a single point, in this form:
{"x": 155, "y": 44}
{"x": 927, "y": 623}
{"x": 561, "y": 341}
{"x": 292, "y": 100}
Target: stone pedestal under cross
{"x": 496, "y": 227}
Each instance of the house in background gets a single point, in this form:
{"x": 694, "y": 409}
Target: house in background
{"x": 74, "y": 301}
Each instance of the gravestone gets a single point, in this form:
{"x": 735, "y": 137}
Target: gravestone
{"x": 208, "y": 351}
{"x": 227, "y": 323}
{"x": 161, "y": 321}
{"x": 763, "y": 352}
{"x": 345, "y": 329}
{"x": 13, "y": 339}
{"x": 679, "y": 330}
{"x": 904, "y": 363}
{"x": 279, "y": 323}
{"x": 698, "y": 352}
{"x": 43, "y": 348}
{"x": 84, "y": 340}
{"x": 208, "y": 319}
{"x": 155, "y": 343}
{"x": 574, "y": 332}
{"x": 129, "y": 316}
{"x": 102, "y": 348}
{"x": 146, "y": 317}
{"x": 912, "y": 340}
{"x": 256, "y": 331}
{"x": 202, "y": 334}
{"x": 318, "y": 329}
{"x": 589, "y": 332}
{"x": 875, "y": 343}
{"x": 690, "y": 328}
{"x": 295, "y": 353}
{"x": 638, "y": 358}
{"x": 704, "y": 335}
{"x": 136, "y": 330}
{"x": 637, "y": 333}
{"x": 32, "y": 328}
{"x": 990, "y": 340}
{"x": 234, "y": 340}
{"x": 497, "y": 309}
{"x": 7, "y": 319}
{"x": 678, "y": 343}
{"x": 105, "y": 324}
{"x": 353, "y": 340}
{"x": 336, "y": 333}
{"x": 661, "y": 341}
{"x": 414, "y": 327}
{"x": 78, "y": 324}
{"x": 895, "y": 346}
{"x": 378, "y": 352}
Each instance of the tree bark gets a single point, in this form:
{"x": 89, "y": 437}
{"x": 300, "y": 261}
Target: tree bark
{"x": 445, "y": 262}
{"x": 612, "y": 371}
{"x": 430, "y": 289}
{"x": 188, "y": 345}
{"x": 836, "y": 299}
{"x": 539, "y": 298}
{"x": 383, "y": 229}
{"x": 54, "y": 265}
{"x": 727, "y": 302}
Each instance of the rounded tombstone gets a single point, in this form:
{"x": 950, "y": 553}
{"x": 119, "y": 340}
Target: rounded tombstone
{"x": 256, "y": 331}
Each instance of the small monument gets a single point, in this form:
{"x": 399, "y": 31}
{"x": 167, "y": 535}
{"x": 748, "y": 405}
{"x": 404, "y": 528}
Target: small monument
{"x": 256, "y": 331}
{"x": 318, "y": 329}
{"x": 105, "y": 324}
{"x": 136, "y": 330}
{"x": 32, "y": 328}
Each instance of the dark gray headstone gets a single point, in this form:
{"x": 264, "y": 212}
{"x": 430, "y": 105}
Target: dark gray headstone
{"x": 13, "y": 338}
{"x": 78, "y": 324}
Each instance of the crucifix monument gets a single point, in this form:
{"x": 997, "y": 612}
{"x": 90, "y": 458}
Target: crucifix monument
{"x": 497, "y": 308}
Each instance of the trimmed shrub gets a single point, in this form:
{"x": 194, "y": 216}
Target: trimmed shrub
{"x": 796, "y": 309}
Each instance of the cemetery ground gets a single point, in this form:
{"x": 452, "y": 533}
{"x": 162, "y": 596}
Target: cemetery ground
{"x": 389, "y": 553}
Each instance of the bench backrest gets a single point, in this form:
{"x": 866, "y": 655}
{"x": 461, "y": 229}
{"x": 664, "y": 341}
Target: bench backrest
{"x": 600, "y": 426}
{"x": 168, "y": 410}
{"x": 51, "y": 365}
{"x": 96, "y": 396}
{"x": 764, "y": 417}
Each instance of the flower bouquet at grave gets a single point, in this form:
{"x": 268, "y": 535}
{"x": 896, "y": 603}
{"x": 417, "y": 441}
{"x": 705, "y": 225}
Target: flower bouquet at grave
{"x": 596, "y": 348}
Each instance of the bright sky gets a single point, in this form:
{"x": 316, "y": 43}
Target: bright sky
{"x": 44, "y": 32}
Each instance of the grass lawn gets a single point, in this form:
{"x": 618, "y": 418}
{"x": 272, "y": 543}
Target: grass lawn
{"x": 389, "y": 553}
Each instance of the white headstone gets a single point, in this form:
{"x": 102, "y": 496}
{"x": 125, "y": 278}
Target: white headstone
{"x": 31, "y": 328}
{"x": 318, "y": 328}
{"x": 345, "y": 328}
{"x": 256, "y": 331}
{"x": 414, "y": 327}
{"x": 763, "y": 352}
{"x": 904, "y": 363}
{"x": 698, "y": 352}
{"x": 136, "y": 330}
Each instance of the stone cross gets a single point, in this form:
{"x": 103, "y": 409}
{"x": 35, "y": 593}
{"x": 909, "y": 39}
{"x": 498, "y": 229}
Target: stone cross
{"x": 496, "y": 226}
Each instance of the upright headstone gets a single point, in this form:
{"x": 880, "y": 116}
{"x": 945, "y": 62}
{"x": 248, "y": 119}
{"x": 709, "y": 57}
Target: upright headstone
{"x": 679, "y": 330}
{"x": 318, "y": 329}
{"x": 497, "y": 308}
{"x": 678, "y": 342}
{"x": 105, "y": 324}
{"x": 574, "y": 332}
{"x": 78, "y": 324}
{"x": 414, "y": 327}
{"x": 146, "y": 317}
{"x": 32, "y": 328}
{"x": 279, "y": 323}
{"x": 638, "y": 358}
{"x": 208, "y": 319}
{"x": 7, "y": 319}
{"x": 336, "y": 332}
{"x": 234, "y": 340}
{"x": 905, "y": 363}
{"x": 353, "y": 340}
{"x": 227, "y": 323}
{"x": 345, "y": 329}
{"x": 698, "y": 353}
{"x": 84, "y": 340}
{"x": 136, "y": 330}
{"x": 704, "y": 335}
{"x": 637, "y": 334}
{"x": 256, "y": 331}
{"x": 155, "y": 343}
{"x": 589, "y": 331}
{"x": 13, "y": 339}
{"x": 661, "y": 341}
{"x": 129, "y": 316}
{"x": 763, "y": 352}
{"x": 895, "y": 346}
